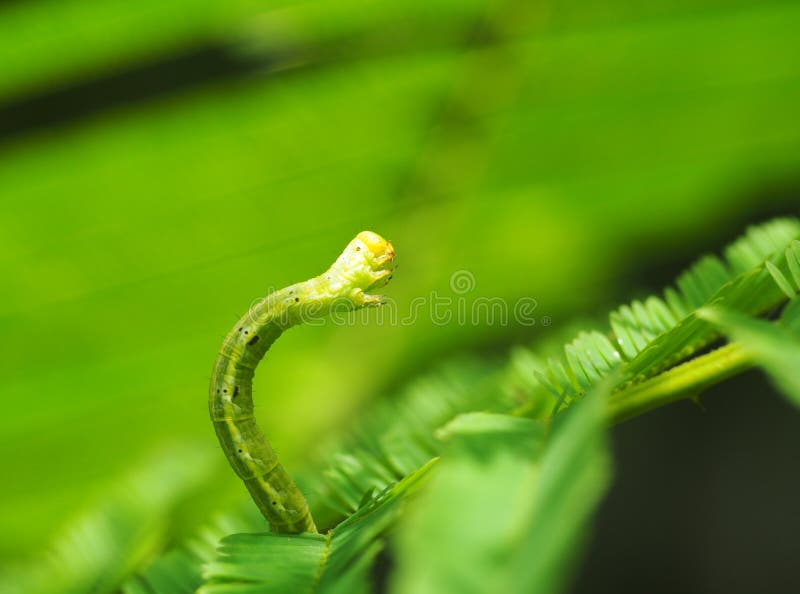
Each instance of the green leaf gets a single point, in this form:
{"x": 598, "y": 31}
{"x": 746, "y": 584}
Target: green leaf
{"x": 397, "y": 437}
{"x": 266, "y": 563}
{"x": 652, "y": 335}
{"x": 507, "y": 506}
{"x": 336, "y": 563}
{"x": 775, "y": 348}
{"x": 780, "y": 280}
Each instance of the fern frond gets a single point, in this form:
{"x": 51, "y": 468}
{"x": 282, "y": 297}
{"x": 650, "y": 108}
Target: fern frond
{"x": 398, "y": 437}
{"x": 792, "y": 255}
{"x": 775, "y": 347}
{"x": 393, "y": 442}
{"x": 647, "y": 337}
{"x": 179, "y": 571}
{"x": 337, "y": 563}
{"x": 652, "y": 335}
{"x": 542, "y": 487}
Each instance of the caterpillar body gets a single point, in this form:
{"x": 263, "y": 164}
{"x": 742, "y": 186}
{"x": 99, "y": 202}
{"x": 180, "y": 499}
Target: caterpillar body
{"x": 363, "y": 265}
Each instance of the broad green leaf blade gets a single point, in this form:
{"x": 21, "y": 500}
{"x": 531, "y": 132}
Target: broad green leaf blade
{"x": 506, "y": 509}
{"x": 775, "y": 348}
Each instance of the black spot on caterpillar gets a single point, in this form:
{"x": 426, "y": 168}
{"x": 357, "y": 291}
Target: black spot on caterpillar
{"x": 364, "y": 264}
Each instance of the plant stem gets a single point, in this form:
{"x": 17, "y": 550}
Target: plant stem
{"x": 684, "y": 381}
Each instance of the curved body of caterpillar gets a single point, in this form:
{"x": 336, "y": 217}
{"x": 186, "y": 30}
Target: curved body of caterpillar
{"x": 364, "y": 264}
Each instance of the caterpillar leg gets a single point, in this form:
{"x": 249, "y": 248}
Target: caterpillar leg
{"x": 362, "y": 299}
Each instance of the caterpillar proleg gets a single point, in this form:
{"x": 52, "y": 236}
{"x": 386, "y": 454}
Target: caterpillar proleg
{"x": 363, "y": 265}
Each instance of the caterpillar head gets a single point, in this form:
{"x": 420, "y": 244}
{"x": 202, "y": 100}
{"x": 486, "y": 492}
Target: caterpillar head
{"x": 366, "y": 261}
{"x": 378, "y": 253}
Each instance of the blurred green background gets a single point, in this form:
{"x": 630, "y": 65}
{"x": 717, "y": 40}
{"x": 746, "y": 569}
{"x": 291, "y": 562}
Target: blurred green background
{"x": 162, "y": 164}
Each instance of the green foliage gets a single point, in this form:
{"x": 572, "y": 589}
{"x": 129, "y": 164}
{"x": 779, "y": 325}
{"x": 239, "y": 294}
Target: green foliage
{"x": 774, "y": 347}
{"x": 539, "y": 489}
{"x": 473, "y": 134}
{"x": 530, "y": 485}
{"x": 651, "y": 335}
{"x": 504, "y": 150}
{"x": 267, "y": 563}
{"x": 178, "y": 571}
{"x": 484, "y": 469}
{"x": 398, "y": 436}
{"x": 119, "y": 533}
{"x": 337, "y": 563}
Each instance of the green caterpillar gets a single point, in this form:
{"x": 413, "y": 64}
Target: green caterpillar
{"x": 364, "y": 264}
